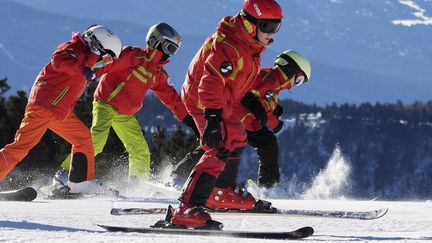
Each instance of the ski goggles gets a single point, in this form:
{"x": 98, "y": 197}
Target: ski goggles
{"x": 268, "y": 26}
{"x": 168, "y": 47}
{"x": 291, "y": 69}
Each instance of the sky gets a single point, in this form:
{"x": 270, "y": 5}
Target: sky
{"x": 351, "y": 61}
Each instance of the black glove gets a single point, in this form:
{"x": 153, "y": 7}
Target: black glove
{"x": 278, "y": 110}
{"x": 255, "y": 106}
{"x": 89, "y": 74}
{"x": 212, "y": 136}
{"x": 189, "y": 121}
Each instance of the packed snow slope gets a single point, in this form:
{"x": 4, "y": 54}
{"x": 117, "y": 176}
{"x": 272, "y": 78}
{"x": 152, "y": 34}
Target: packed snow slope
{"x": 75, "y": 221}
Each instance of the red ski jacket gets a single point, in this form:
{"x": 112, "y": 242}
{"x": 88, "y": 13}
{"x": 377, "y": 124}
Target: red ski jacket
{"x": 223, "y": 70}
{"x": 128, "y": 79}
{"x": 61, "y": 82}
{"x": 269, "y": 83}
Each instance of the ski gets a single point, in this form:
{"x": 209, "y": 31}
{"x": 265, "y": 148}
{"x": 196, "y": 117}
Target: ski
{"x": 362, "y": 215}
{"x": 25, "y": 194}
{"x": 52, "y": 193}
{"x": 295, "y": 234}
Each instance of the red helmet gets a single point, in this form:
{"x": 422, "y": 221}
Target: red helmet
{"x": 263, "y": 9}
{"x": 266, "y": 15}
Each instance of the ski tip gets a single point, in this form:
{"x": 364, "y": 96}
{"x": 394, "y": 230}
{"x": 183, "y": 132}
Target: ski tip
{"x": 375, "y": 214}
{"x": 381, "y": 212}
{"x": 115, "y": 211}
{"x": 31, "y": 193}
{"x": 305, "y": 232}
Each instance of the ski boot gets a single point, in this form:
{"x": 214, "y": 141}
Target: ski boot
{"x": 59, "y": 187}
{"x": 230, "y": 198}
{"x": 188, "y": 216}
{"x": 62, "y": 188}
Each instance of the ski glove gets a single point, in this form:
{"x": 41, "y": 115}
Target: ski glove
{"x": 212, "y": 135}
{"x": 278, "y": 110}
{"x": 280, "y": 128}
{"x": 89, "y": 74}
{"x": 251, "y": 102}
{"x": 189, "y": 121}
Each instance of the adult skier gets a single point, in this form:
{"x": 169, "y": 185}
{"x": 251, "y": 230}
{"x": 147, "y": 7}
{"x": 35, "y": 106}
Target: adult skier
{"x": 52, "y": 99}
{"x": 221, "y": 73}
{"x": 290, "y": 69}
{"x": 121, "y": 92}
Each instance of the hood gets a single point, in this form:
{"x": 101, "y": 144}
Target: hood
{"x": 232, "y": 28}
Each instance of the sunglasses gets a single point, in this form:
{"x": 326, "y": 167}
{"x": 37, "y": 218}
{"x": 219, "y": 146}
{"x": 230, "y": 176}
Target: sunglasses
{"x": 268, "y": 26}
{"x": 168, "y": 47}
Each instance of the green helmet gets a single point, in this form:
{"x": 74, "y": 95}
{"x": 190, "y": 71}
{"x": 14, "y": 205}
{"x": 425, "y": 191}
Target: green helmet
{"x": 291, "y": 62}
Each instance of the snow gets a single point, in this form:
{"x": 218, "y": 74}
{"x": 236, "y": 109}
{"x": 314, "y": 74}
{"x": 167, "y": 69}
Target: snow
{"x": 75, "y": 221}
{"x": 421, "y": 17}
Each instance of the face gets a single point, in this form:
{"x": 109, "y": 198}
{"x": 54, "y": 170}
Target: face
{"x": 298, "y": 79}
{"x": 264, "y": 38}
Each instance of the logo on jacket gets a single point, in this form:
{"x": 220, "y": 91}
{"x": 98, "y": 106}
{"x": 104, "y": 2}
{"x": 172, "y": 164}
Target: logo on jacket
{"x": 269, "y": 95}
{"x": 226, "y": 68}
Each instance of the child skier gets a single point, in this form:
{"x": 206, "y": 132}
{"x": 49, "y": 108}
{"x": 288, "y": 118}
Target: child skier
{"x": 220, "y": 75}
{"x": 121, "y": 92}
{"x": 52, "y": 99}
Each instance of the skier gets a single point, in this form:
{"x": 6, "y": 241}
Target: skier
{"x": 121, "y": 92}
{"x": 220, "y": 75}
{"x": 290, "y": 69}
{"x": 52, "y": 99}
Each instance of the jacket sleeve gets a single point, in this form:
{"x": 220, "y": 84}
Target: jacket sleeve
{"x": 267, "y": 88}
{"x": 166, "y": 92}
{"x": 68, "y": 58}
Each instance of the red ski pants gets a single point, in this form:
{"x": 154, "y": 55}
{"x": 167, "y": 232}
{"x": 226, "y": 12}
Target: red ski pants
{"x": 204, "y": 175}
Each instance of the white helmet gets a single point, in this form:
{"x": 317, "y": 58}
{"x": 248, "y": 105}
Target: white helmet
{"x": 292, "y": 62}
{"x": 102, "y": 41}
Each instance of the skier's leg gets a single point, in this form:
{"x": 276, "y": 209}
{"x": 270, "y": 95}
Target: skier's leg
{"x": 129, "y": 131}
{"x": 33, "y": 126}
{"x": 76, "y": 133}
{"x": 266, "y": 146}
{"x": 228, "y": 177}
{"x": 182, "y": 170}
{"x": 101, "y": 124}
{"x": 200, "y": 182}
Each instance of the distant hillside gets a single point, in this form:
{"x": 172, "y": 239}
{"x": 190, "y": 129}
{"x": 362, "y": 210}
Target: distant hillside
{"x": 361, "y": 51}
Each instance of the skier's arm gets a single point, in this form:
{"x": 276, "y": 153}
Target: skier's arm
{"x": 167, "y": 94}
{"x": 67, "y": 60}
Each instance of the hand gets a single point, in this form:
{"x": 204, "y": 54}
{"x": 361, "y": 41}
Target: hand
{"x": 278, "y": 110}
{"x": 89, "y": 74}
{"x": 280, "y": 128}
{"x": 189, "y": 121}
{"x": 255, "y": 106}
{"x": 212, "y": 135}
